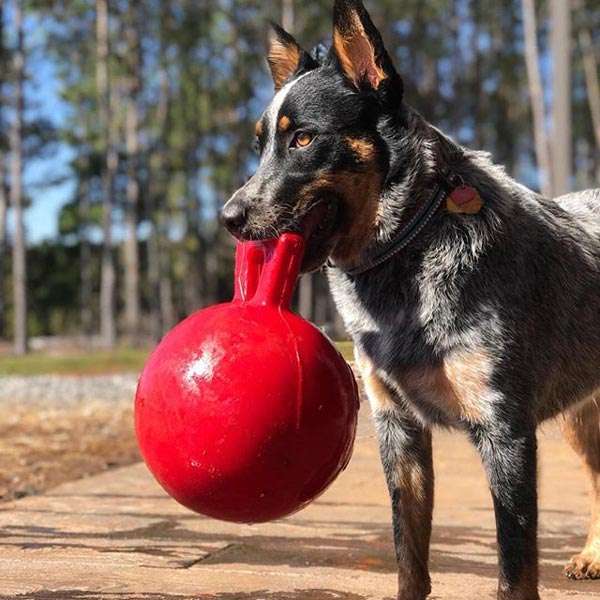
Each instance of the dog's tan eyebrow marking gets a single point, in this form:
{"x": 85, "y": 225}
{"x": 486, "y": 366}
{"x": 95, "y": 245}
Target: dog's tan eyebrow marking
{"x": 363, "y": 149}
{"x": 259, "y": 129}
{"x": 284, "y": 124}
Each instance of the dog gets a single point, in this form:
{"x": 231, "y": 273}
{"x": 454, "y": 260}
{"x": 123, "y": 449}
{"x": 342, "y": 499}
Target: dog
{"x": 473, "y": 302}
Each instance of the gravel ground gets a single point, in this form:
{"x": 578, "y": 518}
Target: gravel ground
{"x": 65, "y": 392}
{"x": 54, "y": 429}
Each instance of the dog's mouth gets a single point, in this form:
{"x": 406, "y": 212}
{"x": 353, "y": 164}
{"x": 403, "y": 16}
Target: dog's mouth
{"x": 319, "y": 227}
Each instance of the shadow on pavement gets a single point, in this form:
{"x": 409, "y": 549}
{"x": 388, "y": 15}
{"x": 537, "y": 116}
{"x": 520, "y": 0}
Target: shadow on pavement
{"x": 365, "y": 547}
{"x": 369, "y": 549}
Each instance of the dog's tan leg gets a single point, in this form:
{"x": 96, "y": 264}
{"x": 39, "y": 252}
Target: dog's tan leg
{"x": 582, "y": 430}
{"x": 406, "y": 455}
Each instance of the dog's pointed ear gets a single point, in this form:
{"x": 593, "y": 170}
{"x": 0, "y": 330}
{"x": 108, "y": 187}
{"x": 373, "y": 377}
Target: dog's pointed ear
{"x": 359, "y": 49}
{"x": 285, "y": 56}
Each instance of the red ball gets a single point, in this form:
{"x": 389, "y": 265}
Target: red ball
{"x": 246, "y": 412}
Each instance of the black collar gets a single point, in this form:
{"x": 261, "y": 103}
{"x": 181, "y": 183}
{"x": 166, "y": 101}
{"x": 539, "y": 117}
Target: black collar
{"x": 448, "y": 181}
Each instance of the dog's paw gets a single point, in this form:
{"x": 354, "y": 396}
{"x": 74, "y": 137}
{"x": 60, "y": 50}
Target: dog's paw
{"x": 583, "y": 566}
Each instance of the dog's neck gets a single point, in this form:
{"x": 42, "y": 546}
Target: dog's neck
{"x": 422, "y": 160}
{"x": 419, "y": 155}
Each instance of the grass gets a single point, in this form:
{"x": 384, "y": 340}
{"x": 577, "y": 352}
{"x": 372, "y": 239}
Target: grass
{"x": 346, "y": 349}
{"x": 121, "y": 360}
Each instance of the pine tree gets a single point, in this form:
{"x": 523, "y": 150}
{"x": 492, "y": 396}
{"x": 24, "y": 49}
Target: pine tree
{"x": 590, "y": 64}
{"x": 542, "y": 146}
{"x": 19, "y": 259}
{"x": 133, "y": 147}
{"x": 3, "y": 182}
{"x": 562, "y": 154}
{"x": 157, "y": 209}
{"x": 106, "y": 104}
{"x": 163, "y": 97}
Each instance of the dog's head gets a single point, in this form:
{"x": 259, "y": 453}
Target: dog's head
{"x": 323, "y": 160}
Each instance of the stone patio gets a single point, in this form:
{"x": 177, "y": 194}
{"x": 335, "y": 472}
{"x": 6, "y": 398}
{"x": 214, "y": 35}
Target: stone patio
{"x": 117, "y": 535}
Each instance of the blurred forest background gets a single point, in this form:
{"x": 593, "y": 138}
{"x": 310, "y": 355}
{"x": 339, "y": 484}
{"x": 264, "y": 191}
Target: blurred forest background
{"x": 156, "y": 109}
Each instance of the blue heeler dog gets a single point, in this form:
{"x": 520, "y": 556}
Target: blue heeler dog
{"x": 472, "y": 301}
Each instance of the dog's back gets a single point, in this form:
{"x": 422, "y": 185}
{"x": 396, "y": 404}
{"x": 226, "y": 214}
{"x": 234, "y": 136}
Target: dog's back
{"x": 585, "y": 207}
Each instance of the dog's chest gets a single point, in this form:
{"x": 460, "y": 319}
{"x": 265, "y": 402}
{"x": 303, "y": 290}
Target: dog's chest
{"x": 455, "y": 391}
{"x": 395, "y": 319}
{"x": 396, "y": 357}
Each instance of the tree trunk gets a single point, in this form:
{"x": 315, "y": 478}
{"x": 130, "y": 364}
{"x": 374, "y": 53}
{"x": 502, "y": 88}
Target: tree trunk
{"x": 193, "y": 243}
{"x": 132, "y": 134}
{"x": 590, "y": 64}
{"x": 16, "y": 190}
{"x": 320, "y": 311}
{"x": 560, "y": 43}
{"x": 85, "y": 258}
{"x": 159, "y": 273}
{"x": 288, "y": 15}
{"x": 155, "y": 326}
{"x": 107, "y": 285}
{"x": 3, "y": 187}
{"x": 306, "y": 295}
{"x": 536, "y": 93}
{"x": 477, "y": 86}
{"x": 168, "y": 313}
{"x": 3, "y": 213}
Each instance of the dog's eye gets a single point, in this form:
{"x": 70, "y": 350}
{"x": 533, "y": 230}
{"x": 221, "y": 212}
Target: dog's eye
{"x": 301, "y": 139}
{"x": 256, "y": 146}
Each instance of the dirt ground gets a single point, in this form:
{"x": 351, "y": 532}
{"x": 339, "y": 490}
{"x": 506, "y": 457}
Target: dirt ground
{"x": 44, "y": 447}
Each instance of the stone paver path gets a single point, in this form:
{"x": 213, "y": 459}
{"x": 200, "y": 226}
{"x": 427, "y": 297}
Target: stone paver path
{"x": 117, "y": 536}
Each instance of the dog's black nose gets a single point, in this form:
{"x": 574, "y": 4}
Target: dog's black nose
{"x": 234, "y": 215}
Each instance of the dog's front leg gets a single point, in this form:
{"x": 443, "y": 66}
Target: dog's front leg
{"x": 509, "y": 457}
{"x": 405, "y": 448}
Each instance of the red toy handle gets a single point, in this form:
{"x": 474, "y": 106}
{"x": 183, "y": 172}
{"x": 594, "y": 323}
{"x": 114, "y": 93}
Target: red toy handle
{"x": 249, "y": 260}
{"x": 266, "y": 272}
